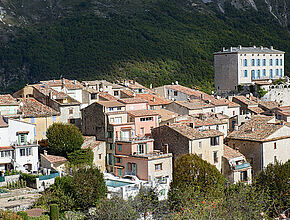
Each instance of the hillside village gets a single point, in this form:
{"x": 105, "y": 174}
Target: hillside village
{"x": 136, "y": 132}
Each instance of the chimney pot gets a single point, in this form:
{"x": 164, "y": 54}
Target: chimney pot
{"x": 240, "y": 46}
{"x": 271, "y": 47}
{"x": 254, "y": 46}
{"x": 45, "y": 152}
{"x": 236, "y": 127}
{"x": 224, "y": 49}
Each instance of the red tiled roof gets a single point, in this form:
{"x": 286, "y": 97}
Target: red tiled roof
{"x": 230, "y": 153}
{"x": 139, "y": 113}
{"x": 154, "y": 99}
{"x": 245, "y": 100}
{"x": 54, "y": 159}
{"x": 69, "y": 84}
{"x": 284, "y": 110}
{"x": 132, "y": 100}
{"x": 112, "y": 103}
{"x": 166, "y": 114}
{"x": 107, "y": 96}
{"x": 6, "y": 148}
{"x": 36, "y": 212}
{"x": 193, "y": 133}
{"x": 194, "y": 104}
{"x": 257, "y": 129}
{"x": 268, "y": 104}
{"x": 33, "y": 108}
{"x": 256, "y": 110}
{"x": 7, "y": 100}
{"x": 128, "y": 92}
{"x": 47, "y": 91}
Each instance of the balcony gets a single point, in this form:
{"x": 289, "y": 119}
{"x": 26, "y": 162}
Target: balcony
{"x": 241, "y": 166}
{"x": 135, "y": 139}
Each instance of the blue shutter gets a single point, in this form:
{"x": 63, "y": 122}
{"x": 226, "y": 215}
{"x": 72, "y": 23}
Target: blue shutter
{"x": 147, "y": 150}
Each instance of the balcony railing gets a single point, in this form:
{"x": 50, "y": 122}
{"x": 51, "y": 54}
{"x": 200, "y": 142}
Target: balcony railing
{"x": 133, "y": 139}
{"x": 132, "y": 173}
{"x": 241, "y": 166}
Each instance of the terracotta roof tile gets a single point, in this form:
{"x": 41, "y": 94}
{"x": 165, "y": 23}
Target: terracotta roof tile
{"x": 269, "y": 105}
{"x": 166, "y": 114}
{"x": 257, "y": 129}
{"x": 36, "y": 212}
{"x": 30, "y": 107}
{"x": 107, "y": 96}
{"x": 230, "y": 153}
{"x": 69, "y": 84}
{"x": 193, "y": 133}
{"x": 245, "y": 100}
{"x": 133, "y": 100}
{"x": 284, "y": 110}
{"x": 154, "y": 99}
{"x": 46, "y": 90}
{"x": 194, "y": 104}
{"x": 112, "y": 103}
{"x": 54, "y": 158}
{"x": 139, "y": 113}
{"x": 256, "y": 110}
{"x": 7, "y": 100}
{"x": 128, "y": 92}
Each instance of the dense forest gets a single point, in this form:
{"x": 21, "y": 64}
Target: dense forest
{"x": 161, "y": 44}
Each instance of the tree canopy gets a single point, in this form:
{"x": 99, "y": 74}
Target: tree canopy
{"x": 64, "y": 139}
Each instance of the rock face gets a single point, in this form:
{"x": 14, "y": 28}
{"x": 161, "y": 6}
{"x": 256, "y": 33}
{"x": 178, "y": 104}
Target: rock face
{"x": 18, "y": 13}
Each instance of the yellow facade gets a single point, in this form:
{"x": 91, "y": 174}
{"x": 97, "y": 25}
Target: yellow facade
{"x": 42, "y": 124}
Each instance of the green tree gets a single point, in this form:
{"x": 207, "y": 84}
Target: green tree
{"x": 81, "y": 157}
{"x": 88, "y": 187}
{"x": 64, "y": 139}
{"x": 275, "y": 180}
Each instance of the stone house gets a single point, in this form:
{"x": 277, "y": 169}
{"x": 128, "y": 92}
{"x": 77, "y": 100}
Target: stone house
{"x": 263, "y": 140}
{"x": 8, "y": 105}
{"x": 282, "y": 113}
{"x": 53, "y": 162}
{"x": 182, "y": 139}
{"x": 235, "y": 166}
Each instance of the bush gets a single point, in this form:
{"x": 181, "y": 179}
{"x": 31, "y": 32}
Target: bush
{"x": 64, "y": 139}
{"x": 23, "y": 214}
{"x": 81, "y": 157}
{"x": 54, "y": 212}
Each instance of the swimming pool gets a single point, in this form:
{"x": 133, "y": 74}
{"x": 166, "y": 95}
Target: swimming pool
{"x": 117, "y": 183}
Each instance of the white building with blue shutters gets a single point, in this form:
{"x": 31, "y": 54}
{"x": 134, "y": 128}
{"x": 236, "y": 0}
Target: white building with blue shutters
{"x": 246, "y": 65}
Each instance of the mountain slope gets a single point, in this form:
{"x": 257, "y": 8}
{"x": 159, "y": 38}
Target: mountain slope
{"x": 153, "y": 41}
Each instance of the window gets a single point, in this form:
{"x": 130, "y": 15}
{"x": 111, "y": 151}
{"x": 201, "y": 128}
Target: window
{"x": 275, "y": 159}
{"x": 94, "y": 96}
{"x": 258, "y": 62}
{"x": 111, "y": 146}
{"x": 264, "y": 72}
{"x": 119, "y": 160}
{"x": 158, "y": 166}
{"x": 277, "y": 72}
{"x": 264, "y": 62}
{"x": 111, "y": 120}
{"x": 146, "y": 119}
{"x": 72, "y": 121}
{"x": 275, "y": 145}
{"x": 118, "y": 120}
{"x": 142, "y": 131}
{"x": 199, "y": 145}
{"x": 258, "y": 74}
{"x": 253, "y": 74}
{"x": 119, "y": 172}
{"x": 281, "y": 72}
{"x": 71, "y": 111}
{"x": 245, "y": 62}
{"x": 281, "y": 62}
{"x": 22, "y": 152}
{"x": 215, "y": 157}
{"x": 109, "y": 134}
{"x": 253, "y": 62}
{"x": 141, "y": 148}
{"x": 119, "y": 108}
{"x": 116, "y": 93}
{"x": 119, "y": 147}
{"x": 54, "y": 118}
{"x": 245, "y": 73}
{"x": 111, "y": 109}
{"x": 271, "y": 73}
{"x": 175, "y": 93}
{"x": 32, "y": 120}
{"x": 277, "y": 62}
{"x": 28, "y": 151}
{"x": 200, "y": 155}
{"x": 214, "y": 141}
{"x": 271, "y": 62}
{"x": 244, "y": 176}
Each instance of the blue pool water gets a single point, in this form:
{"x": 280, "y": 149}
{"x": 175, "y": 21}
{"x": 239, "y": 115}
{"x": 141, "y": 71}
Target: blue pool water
{"x": 116, "y": 183}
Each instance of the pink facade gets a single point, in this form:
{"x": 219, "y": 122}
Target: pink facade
{"x": 144, "y": 124}
{"x": 137, "y": 106}
{"x": 138, "y": 147}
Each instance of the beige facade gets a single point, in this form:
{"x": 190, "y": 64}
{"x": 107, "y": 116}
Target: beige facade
{"x": 244, "y": 65}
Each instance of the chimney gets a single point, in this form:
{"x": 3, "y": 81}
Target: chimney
{"x": 236, "y": 127}
{"x": 261, "y": 47}
{"x": 240, "y": 47}
{"x": 224, "y": 49}
{"x": 231, "y": 49}
{"x": 176, "y": 82}
{"x": 271, "y": 48}
{"x": 45, "y": 152}
{"x": 252, "y": 129}
{"x": 153, "y": 99}
{"x": 254, "y": 46}
{"x": 75, "y": 82}
{"x": 165, "y": 148}
{"x": 151, "y": 86}
{"x": 191, "y": 125}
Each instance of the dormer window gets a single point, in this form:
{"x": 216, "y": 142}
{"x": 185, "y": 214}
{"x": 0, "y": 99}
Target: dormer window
{"x": 22, "y": 137}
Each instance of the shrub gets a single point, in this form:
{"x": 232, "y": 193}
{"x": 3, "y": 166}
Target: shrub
{"x": 81, "y": 157}
{"x": 23, "y": 214}
{"x": 54, "y": 212}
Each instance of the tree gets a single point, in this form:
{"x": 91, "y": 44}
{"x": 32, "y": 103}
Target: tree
{"x": 81, "y": 157}
{"x": 193, "y": 176}
{"x": 88, "y": 187}
{"x": 275, "y": 181}
{"x": 64, "y": 139}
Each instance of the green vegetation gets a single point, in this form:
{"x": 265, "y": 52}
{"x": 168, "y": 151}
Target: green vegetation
{"x": 84, "y": 189}
{"x": 261, "y": 91}
{"x": 155, "y": 42}
{"x": 64, "y": 139}
{"x": 81, "y": 157}
{"x": 53, "y": 212}
{"x": 275, "y": 180}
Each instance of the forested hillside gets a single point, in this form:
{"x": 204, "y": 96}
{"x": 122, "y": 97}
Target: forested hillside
{"x": 154, "y": 42}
